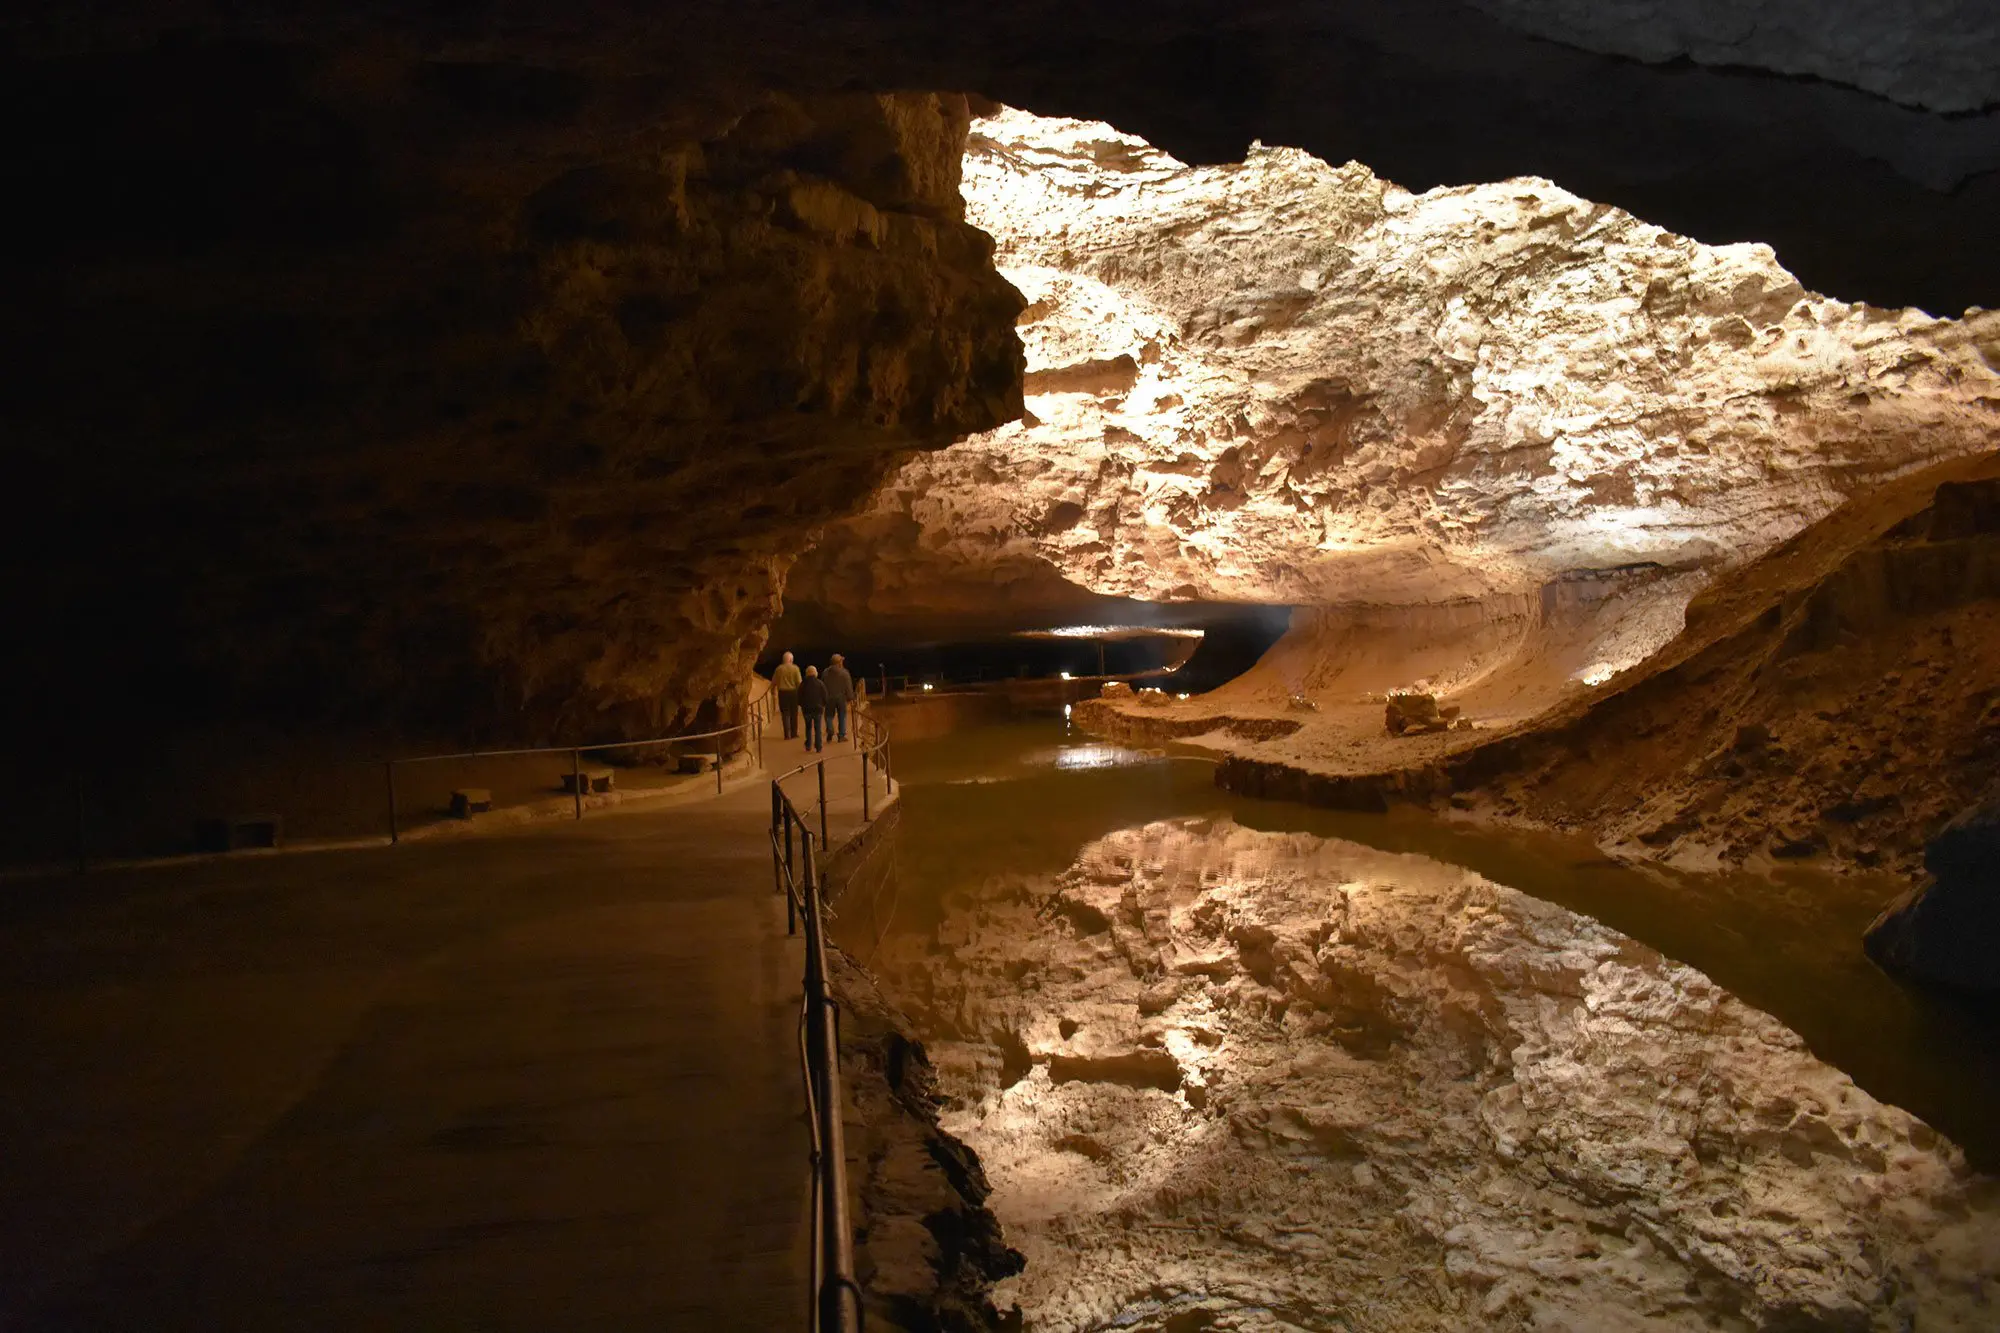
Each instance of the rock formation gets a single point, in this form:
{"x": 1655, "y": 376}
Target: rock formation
{"x": 440, "y": 360}
{"x": 1950, "y": 63}
{"x": 1289, "y": 382}
{"x": 1946, "y": 931}
{"x": 1834, "y": 699}
{"x": 927, "y": 1250}
{"x": 1837, "y": 698}
{"x": 533, "y": 453}
{"x": 1218, "y": 1075}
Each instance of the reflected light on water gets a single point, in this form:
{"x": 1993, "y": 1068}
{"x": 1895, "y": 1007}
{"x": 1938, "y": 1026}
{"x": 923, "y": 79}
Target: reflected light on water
{"x": 1094, "y": 756}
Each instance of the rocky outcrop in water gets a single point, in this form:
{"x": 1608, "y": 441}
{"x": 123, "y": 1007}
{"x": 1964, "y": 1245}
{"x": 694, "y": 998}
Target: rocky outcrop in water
{"x": 1236, "y": 1079}
{"x": 1947, "y": 932}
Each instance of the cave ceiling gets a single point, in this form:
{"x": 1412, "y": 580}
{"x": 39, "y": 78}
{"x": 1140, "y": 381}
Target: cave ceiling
{"x": 1860, "y": 140}
{"x": 511, "y": 350}
{"x": 1286, "y": 381}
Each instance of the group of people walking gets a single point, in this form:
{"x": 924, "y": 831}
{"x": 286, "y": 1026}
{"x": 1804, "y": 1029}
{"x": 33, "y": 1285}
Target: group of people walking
{"x": 823, "y": 697}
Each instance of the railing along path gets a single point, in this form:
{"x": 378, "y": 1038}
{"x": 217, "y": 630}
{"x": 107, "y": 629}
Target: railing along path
{"x": 798, "y": 862}
{"x": 797, "y": 865}
{"x": 762, "y": 709}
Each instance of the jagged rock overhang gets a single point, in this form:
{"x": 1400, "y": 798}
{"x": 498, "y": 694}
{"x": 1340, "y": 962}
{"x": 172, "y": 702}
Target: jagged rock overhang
{"x": 195, "y": 161}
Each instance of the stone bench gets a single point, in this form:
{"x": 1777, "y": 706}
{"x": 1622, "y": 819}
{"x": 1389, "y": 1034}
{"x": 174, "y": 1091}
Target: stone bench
{"x": 469, "y": 801}
{"x": 239, "y": 831}
{"x": 698, "y": 761}
{"x": 593, "y": 780}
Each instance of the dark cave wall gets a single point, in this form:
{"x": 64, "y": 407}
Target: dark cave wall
{"x": 487, "y": 362}
{"x": 460, "y": 392}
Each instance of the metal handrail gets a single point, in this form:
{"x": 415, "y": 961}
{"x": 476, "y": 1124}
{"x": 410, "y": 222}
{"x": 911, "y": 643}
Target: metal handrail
{"x": 754, "y": 727}
{"x": 875, "y": 750}
{"x": 835, "y": 1296}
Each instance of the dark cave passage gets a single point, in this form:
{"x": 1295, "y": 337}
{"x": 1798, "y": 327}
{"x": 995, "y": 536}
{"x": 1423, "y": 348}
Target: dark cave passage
{"x": 1201, "y": 645}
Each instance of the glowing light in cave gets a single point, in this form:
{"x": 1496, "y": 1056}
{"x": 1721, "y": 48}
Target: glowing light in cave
{"x": 1067, "y": 676}
{"x": 1110, "y": 632}
{"x": 1596, "y": 673}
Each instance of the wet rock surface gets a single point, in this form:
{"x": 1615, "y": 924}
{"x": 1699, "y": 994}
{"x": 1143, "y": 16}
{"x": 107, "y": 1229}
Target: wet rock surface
{"x": 1230, "y": 1079}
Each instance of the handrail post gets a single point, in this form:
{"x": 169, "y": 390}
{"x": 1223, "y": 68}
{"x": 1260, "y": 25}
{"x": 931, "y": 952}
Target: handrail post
{"x": 823, "y": 840}
{"x": 389, "y": 772}
{"x": 865, "y": 816}
{"x": 576, "y": 779}
{"x": 809, "y": 888}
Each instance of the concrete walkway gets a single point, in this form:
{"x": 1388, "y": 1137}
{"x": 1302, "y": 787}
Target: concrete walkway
{"x": 843, "y": 783}
{"x": 546, "y": 1079}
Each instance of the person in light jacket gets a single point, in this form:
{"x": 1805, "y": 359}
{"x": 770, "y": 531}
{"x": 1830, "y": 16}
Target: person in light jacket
{"x": 812, "y": 702}
{"x": 785, "y": 680}
{"x": 839, "y": 695}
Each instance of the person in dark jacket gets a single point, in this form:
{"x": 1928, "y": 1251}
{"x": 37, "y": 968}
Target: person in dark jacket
{"x": 785, "y": 680}
{"x": 839, "y": 694}
{"x": 812, "y": 703}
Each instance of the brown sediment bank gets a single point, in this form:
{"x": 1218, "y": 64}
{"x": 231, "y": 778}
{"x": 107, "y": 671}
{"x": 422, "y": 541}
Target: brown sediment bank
{"x": 1837, "y": 700}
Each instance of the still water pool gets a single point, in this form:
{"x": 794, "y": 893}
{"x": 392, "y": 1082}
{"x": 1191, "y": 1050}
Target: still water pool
{"x": 1023, "y": 798}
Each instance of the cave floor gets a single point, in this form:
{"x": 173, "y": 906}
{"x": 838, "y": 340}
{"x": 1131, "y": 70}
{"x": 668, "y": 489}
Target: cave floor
{"x": 546, "y": 1079}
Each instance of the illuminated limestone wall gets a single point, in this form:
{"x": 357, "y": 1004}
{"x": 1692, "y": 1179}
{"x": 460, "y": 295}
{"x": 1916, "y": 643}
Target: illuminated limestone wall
{"x": 1287, "y": 381}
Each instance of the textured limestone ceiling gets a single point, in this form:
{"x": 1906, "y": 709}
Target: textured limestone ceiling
{"x": 1864, "y": 189}
{"x": 1293, "y": 382}
{"x": 1940, "y": 54}
{"x": 498, "y": 354}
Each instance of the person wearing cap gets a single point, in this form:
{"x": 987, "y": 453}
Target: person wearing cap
{"x": 839, "y": 694}
{"x": 785, "y": 680}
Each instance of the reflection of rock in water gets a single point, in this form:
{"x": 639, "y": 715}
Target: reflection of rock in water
{"x": 1229, "y": 1079}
